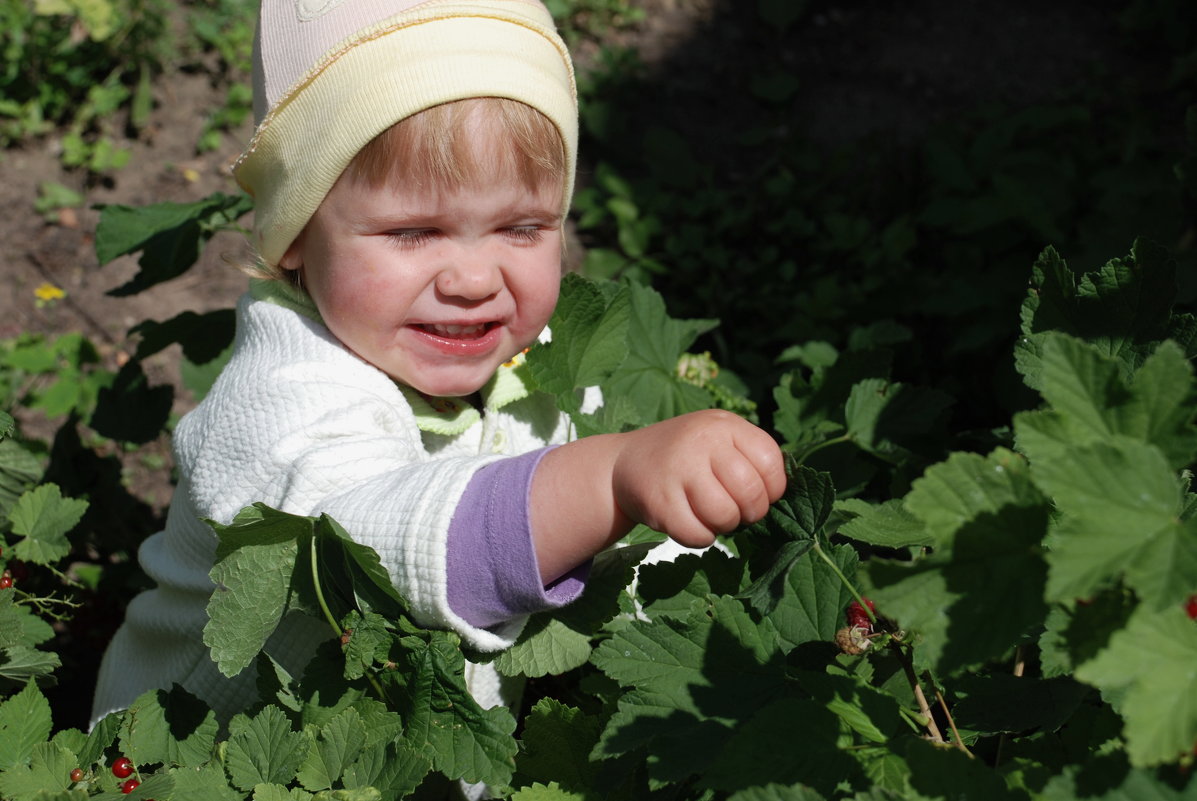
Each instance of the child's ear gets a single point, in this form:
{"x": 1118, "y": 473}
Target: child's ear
{"x": 292, "y": 259}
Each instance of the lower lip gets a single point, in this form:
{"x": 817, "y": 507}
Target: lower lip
{"x": 461, "y": 346}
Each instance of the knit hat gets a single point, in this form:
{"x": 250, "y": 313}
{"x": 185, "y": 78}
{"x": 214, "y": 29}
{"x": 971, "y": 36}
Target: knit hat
{"x": 330, "y": 75}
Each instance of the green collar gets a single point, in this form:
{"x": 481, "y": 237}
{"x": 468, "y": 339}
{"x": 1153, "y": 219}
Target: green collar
{"x": 447, "y": 416}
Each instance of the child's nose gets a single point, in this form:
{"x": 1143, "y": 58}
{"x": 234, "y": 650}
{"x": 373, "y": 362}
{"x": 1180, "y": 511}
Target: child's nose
{"x": 470, "y": 275}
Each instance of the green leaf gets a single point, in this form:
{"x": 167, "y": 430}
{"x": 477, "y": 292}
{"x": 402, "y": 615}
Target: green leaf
{"x": 810, "y": 754}
{"x": 955, "y": 491}
{"x": 338, "y": 744}
{"x": 589, "y": 340}
{"x": 263, "y": 749}
{"x": 43, "y": 517}
{"x": 1091, "y": 401}
{"x": 24, "y": 722}
{"x": 995, "y": 572}
{"x": 208, "y": 783}
{"x": 1150, "y": 663}
{"x": 47, "y": 771}
{"x": 887, "y": 524}
{"x": 557, "y": 641}
{"x": 689, "y": 680}
{"x": 941, "y": 773}
{"x": 19, "y": 471}
{"x": 170, "y": 236}
{"x": 766, "y": 591}
{"x": 174, "y": 728}
{"x": 547, "y": 792}
{"x": 1121, "y": 506}
{"x": 19, "y": 663}
{"x": 390, "y": 766}
{"x": 777, "y": 792}
{"x": 812, "y": 607}
{"x": 1006, "y": 703}
{"x": 648, "y": 376}
{"x": 890, "y": 419}
{"x": 557, "y": 741}
{"x": 443, "y": 721}
{"x": 255, "y": 558}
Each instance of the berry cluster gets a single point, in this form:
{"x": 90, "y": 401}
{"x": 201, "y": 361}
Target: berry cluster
{"x": 123, "y": 768}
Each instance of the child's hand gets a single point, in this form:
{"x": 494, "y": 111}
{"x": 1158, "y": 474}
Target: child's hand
{"x": 698, "y": 475}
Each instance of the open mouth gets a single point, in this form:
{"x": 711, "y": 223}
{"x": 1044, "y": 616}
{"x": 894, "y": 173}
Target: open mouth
{"x": 475, "y": 331}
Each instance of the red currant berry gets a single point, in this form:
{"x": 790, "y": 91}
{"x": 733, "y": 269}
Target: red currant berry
{"x": 1191, "y": 611}
{"x": 122, "y": 768}
{"x": 5, "y": 580}
{"x": 129, "y": 786}
{"x": 77, "y": 775}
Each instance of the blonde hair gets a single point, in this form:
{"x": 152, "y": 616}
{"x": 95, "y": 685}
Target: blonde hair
{"x": 436, "y": 148}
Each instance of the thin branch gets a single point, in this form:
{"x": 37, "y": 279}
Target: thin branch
{"x": 924, "y": 707}
{"x": 955, "y": 732}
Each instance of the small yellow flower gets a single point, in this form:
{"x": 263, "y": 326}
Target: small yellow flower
{"x": 190, "y": 175}
{"x": 47, "y": 293}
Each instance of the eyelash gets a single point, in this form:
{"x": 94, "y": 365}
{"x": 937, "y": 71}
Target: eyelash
{"x": 529, "y": 234}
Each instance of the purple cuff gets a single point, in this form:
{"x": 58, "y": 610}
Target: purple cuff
{"x": 493, "y": 575}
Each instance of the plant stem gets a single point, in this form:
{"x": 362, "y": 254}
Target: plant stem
{"x": 852, "y": 589}
{"x": 827, "y": 443}
{"x": 328, "y": 615}
{"x": 955, "y": 732}
{"x": 924, "y": 707}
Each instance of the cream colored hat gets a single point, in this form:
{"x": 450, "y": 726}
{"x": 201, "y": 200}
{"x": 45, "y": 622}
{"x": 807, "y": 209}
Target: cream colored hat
{"x": 330, "y": 75}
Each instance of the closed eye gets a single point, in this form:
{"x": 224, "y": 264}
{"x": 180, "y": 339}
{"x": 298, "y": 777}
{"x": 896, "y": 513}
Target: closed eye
{"x": 412, "y": 238}
{"x": 525, "y": 233}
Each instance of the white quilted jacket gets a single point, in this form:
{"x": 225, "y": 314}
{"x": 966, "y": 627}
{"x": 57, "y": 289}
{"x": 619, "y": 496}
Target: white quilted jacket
{"x": 300, "y": 423}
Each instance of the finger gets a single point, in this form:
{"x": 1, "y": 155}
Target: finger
{"x": 762, "y": 451}
{"x": 712, "y": 505}
{"x": 744, "y": 484}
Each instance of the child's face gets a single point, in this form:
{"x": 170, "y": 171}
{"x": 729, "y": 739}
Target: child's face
{"x": 435, "y": 288}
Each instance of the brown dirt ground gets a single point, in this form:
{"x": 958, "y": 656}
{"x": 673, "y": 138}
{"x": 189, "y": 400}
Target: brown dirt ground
{"x": 865, "y": 66}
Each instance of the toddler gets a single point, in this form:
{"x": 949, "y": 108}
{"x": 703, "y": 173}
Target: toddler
{"x": 411, "y": 170}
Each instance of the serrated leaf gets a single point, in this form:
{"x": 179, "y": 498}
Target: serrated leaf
{"x": 277, "y": 792}
{"x": 7, "y": 424}
{"x": 688, "y": 684}
{"x": 1092, "y": 401}
{"x": 390, "y": 766}
{"x": 338, "y": 744}
{"x": 812, "y": 607}
{"x": 545, "y": 647}
{"x": 941, "y": 773}
{"x": 766, "y": 591}
{"x": 443, "y": 721}
{"x": 648, "y": 376}
{"x": 24, "y": 722}
{"x": 20, "y": 663}
{"x": 255, "y": 558}
{"x": 43, "y": 517}
{"x": 263, "y": 749}
{"x": 777, "y": 792}
{"x": 810, "y": 756}
{"x": 1006, "y": 703}
{"x": 887, "y": 524}
{"x": 995, "y": 572}
{"x": 1121, "y": 504}
{"x": 889, "y": 419}
{"x": 1151, "y": 662}
{"x": 951, "y": 493}
{"x": 47, "y": 771}
{"x": 206, "y": 783}
{"x": 174, "y": 728}
{"x": 589, "y": 340}
{"x": 557, "y": 641}
{"x": 557, "y": 741}
{"x": 547, "y": 792}
{"x": 670, "y": 587}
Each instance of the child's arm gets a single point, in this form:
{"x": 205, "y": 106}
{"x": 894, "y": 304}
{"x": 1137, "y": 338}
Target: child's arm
{"x": 691, "y": 477}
